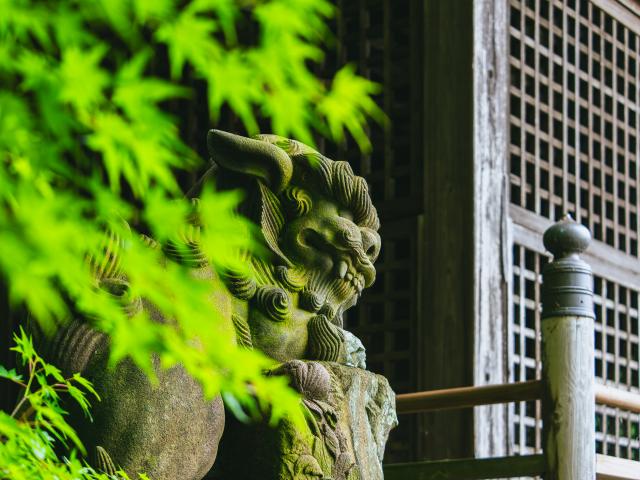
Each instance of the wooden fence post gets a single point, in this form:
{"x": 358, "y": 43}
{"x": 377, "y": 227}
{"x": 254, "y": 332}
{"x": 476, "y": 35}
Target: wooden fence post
{"x": 567, "y": 355}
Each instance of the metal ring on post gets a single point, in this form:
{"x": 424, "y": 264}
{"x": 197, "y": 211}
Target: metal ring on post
{"x": 567, "y": 288}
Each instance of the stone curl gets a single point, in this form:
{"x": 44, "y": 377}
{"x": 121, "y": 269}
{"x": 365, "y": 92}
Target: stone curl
{"x": 273, "y": 302}
{"x": 325, "y": 340}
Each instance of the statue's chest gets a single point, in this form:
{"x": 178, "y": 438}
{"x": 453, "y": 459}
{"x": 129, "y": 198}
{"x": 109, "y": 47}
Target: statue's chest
{"x": 280, "y": 339}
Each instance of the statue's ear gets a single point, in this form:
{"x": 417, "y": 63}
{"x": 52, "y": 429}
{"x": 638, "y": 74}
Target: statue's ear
{"x": 262, "y": 160}
{"x": 271, "y": 220}
{"x": 260, "y": 205}
{"x": 262, "y": 170}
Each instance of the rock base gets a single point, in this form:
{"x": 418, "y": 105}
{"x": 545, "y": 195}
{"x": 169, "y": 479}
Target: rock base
{"x": 349, "y": 413}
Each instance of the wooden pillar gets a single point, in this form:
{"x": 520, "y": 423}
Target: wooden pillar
{"x": 490, "y": 216}
{"x": 568, "y": 349}
{"x": 446, "y": 329}
{"x": 462, "y": 332}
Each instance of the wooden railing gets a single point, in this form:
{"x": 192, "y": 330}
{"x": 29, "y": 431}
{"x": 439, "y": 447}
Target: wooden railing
{"x": 607, "y": 468}
{"x": 567, "y": 388}
{"x": 613, "y": 397}
{"x": 463, "y": 397}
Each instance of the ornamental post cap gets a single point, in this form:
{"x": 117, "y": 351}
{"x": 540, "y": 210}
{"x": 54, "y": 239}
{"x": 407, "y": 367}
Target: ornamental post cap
{"x": 566, "y": 237}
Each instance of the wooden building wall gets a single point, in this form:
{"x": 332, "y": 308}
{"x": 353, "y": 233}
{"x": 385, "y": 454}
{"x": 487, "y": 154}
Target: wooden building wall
{"x": 436, "y": 316}
{"x": 528, "y": 109}
{"x": 574, "y": 128}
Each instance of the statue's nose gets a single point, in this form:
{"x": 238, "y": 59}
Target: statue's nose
{"x": 370, "y": 243}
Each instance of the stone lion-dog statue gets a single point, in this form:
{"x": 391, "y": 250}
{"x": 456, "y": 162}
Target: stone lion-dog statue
{"x": 318, "y": 223}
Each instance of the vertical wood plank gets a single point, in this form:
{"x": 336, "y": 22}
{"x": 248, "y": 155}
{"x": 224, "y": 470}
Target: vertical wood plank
{"x": 446, "y": 329}
{"x": 490, "y": 95}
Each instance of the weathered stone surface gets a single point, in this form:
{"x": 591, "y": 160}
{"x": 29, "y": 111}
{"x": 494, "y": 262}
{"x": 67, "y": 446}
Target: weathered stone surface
{"x": 318, "y": 222}
{"x": 349, "y": 413}
{"x": 166, "y": 430}
{"x": 368, "y": 410}
{"x": 356, "y": 355}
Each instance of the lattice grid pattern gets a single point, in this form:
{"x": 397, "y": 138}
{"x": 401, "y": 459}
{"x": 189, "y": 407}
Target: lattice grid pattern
{"x": 574, "y": 129}
{"x": 385, "y": 320}
{"x": 525, "y": 351}
{"x": 575, "y": 116}
{"x": 617, "y": 342}
{"x": 381, "y": 38}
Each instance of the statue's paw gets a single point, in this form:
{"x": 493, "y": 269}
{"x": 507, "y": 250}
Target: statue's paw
{"x": 311, "y": 379}
{"x": 326, "y": 342}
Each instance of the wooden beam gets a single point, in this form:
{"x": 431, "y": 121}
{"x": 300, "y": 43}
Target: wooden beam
{"x": 569, "y": 407}
{"x": 613, "y": 397}
{"x": 490, "y": 215}
{"x": 465, "y": 397}
{"x": 468, "y": 469}
{"x": 612, "y": 468}
{"x": 607, "y": 468}
{"x": 624, "y": 11}
{"x": 445, "y": 336}
{"x": 605, "y": 260}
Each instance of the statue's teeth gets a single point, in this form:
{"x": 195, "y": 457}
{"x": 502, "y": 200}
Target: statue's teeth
{"x": 342, "y": 269}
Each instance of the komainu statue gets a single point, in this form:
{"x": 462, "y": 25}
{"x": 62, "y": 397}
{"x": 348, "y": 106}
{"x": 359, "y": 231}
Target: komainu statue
{"x": 318, "y": 223}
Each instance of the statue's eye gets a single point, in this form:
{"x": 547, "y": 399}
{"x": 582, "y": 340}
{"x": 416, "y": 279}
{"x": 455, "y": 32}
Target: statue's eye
{"x": 346, "y": 214}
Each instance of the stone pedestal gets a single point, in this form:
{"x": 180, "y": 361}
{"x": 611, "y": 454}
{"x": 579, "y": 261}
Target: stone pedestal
{"x": 349, "y": 413}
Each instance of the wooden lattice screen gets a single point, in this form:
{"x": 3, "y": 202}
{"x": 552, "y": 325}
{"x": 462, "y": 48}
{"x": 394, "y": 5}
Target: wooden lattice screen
{"x": 381, "y": 38}
{"x": 574, "y": 132}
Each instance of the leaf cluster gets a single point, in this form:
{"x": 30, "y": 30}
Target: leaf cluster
{"x": 36, "y": 430}
{"x": 86, "y": 146}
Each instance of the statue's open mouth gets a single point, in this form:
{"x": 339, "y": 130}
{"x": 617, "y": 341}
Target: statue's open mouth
{"x": 345, "y": 271}
{"x": 347, "y": 264}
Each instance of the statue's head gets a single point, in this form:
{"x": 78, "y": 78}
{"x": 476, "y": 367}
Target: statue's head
{"x": 316, "y": 215}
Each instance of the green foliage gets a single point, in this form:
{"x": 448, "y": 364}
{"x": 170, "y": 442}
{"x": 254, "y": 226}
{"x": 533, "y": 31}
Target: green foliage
{"x": 37, "y": 424}
{"x": 81, "y": 120}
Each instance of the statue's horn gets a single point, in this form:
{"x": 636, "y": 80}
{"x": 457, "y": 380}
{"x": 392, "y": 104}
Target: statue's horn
{"x": 252, "y": 157}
